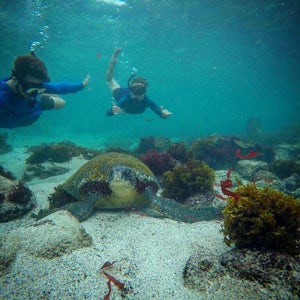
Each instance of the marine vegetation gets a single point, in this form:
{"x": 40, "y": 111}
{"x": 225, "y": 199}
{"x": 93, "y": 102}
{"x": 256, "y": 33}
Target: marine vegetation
{"x": 178, "y": 151}
{"x": 158, "y": 162}
{"x": 217, "y": 151}
{"x": 187, "y": 179}
{"x": 249, "y": 155}
{"x": 58, "y": 152}
{"x": 225, "y": 185}
{"x": 19, "y": 194}
{"x": 112, "y": 280}
{"x": 59, "y": 198}
{"x": 263, "y": 219}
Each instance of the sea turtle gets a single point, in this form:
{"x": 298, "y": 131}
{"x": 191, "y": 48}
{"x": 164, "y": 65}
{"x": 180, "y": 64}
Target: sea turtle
{"x": 119, "y": 181}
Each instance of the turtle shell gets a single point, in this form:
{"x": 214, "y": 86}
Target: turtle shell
{"x": 112, "y": 180}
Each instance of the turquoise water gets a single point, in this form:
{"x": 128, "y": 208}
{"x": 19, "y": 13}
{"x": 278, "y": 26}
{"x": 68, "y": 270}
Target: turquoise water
{"x": 214, "y": 64}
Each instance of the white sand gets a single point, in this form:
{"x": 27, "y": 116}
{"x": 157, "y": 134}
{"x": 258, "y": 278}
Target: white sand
{"x": 150, "y": 255}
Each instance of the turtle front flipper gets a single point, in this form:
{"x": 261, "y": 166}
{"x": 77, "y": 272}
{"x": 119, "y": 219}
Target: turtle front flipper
{"x": 79, "y": 209}
{"x": 176, "y": 211}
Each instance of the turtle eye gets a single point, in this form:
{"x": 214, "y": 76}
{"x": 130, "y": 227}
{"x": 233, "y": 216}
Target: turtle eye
{"x": 140, "y": 186}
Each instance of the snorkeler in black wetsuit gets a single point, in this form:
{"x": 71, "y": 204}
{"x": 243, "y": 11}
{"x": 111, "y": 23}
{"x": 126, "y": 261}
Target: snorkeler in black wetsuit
{"x": 133, "y": 99}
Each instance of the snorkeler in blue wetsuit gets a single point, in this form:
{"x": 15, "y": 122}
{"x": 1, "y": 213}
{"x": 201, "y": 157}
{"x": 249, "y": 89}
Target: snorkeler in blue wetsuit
{"x": 133, "y": 99}
{"x": 28, "y": 92}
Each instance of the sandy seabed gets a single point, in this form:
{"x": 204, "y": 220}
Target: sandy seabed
{"x": 149, "y": 253}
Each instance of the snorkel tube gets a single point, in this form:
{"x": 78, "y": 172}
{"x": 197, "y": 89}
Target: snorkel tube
{"x": 129, "y": 81}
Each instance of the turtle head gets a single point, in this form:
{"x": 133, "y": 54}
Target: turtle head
{"x": 122, "y": 179}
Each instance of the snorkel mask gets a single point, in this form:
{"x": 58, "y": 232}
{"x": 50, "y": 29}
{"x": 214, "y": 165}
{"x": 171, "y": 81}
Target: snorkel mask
{"x": 32, "y": 88}
{"x": 136, "y": 88}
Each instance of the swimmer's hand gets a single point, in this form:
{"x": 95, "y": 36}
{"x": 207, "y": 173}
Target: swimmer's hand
{"x": 165, "y": 113}
{"x": 114, "y": 57}
{"x": 86, "y": 80}
{"x": 116, "y": 109}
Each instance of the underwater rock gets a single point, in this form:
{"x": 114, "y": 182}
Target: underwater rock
{"x": 248, "y": 168}
{"x": 245, "y": 271}
{"x": 8, "y": 250}
{"x": 200, "y": 270}
{"x": 15, "y": 199}
{"x": 284, "y": 152}
{"x": 296, "y": 193}
{"x": 265, "y": 178}
{"x": 267, "y": 268}
{"x": 51, "y": 237}
{"x": 292, "y": 183}
{"x": 200, "y": 200}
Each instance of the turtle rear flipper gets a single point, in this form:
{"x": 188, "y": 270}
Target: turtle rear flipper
{"x": 176, "y": 211}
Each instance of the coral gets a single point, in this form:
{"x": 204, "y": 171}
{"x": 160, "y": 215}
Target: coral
{"x": 58, "y": 152}
{"x": 4, "y": 147}
{"x": 157, "y": 162}
{"x": 178, "y": 151}
{"x": 285, "y": 168}
{"x": 187, "y": 179}
{"x": 263, "y": 219}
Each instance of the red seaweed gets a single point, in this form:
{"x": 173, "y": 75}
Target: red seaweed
{"x": 115, "y": 281}
{"x": 107, "y": 264}
{"x": 250, "y": 155}
{"x": 225, "y": 184}
{"x": 107, "y": 296}
{"x": 111, "y": 279}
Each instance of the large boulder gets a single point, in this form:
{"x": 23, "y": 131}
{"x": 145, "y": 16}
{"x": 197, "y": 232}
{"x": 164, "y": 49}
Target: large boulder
{"x": 53, "y": 236}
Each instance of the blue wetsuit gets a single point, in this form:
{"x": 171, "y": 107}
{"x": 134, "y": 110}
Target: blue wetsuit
{"x": 133, "y": 106}
{"x": 16, "y": 111}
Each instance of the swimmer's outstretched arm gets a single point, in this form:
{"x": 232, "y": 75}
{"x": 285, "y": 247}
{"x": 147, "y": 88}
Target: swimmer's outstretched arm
{"x": 110, "y": 70}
